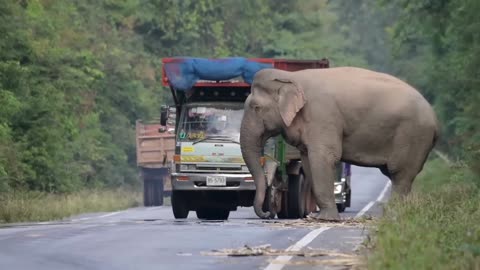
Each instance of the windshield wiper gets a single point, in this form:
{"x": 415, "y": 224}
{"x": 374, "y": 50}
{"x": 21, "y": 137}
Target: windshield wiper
{"x": 218, "y": 138}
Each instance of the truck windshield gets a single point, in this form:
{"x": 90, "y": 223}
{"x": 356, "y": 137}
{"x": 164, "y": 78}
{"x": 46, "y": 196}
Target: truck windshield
{"x": 201, "y": 122}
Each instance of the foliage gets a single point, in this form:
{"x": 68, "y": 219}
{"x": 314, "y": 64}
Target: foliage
{"x": 76, "y": 75}
{"x": 40, "y": 206}
{"x": 72, "y": 83}
{"x": 441, "y": 39}
{"x": 436, "y": 227}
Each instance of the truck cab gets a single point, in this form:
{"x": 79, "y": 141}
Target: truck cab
{"x": 209, "y": 175}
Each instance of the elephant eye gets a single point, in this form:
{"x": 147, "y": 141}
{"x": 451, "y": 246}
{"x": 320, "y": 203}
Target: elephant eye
{"x": 257, "y": 109}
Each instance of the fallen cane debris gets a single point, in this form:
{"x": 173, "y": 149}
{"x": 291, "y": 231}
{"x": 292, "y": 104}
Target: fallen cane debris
{"x": 312, "y": 222}
{"x": 328, "y": 257}
{"x": 266, "y": 250}
{"x": 342, "y": 262}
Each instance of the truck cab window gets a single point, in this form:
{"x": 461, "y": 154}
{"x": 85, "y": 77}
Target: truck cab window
{"x": 201, "y": 121}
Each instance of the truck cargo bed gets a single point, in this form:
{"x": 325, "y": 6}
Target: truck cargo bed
{"x": 154, "y": 149}
{"x": 291, "y": 152}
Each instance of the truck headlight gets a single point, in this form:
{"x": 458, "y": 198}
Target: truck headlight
{"x": 188, "y": 167}
{"x": 338, "y": 188}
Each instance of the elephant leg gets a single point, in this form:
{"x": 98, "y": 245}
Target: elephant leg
{"x": 402, "y": 182}
{"x": 402, "y": 179}
{"x": 409, "y": 162}
{"x": 323, "y": 175}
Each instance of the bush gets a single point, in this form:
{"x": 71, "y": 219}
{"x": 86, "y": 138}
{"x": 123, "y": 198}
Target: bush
{"x": 436, "y": 227}
{"x": 41, "y": 206}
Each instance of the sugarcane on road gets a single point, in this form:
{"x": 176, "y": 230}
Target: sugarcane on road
{"x": 150, "y": 238}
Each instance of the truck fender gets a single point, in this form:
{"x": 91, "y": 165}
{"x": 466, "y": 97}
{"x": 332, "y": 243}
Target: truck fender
{"x": 294, "y": 167}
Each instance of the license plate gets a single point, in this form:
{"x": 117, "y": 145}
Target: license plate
{"x": 216, "y": 181}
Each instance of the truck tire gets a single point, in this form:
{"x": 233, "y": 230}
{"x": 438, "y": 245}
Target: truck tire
{"x": 152, "y": 187}
{"x": 341, "y": 207}
{"x": 179, "y": 204}
{"x": 283, "y": 213}
{"x": 296, "y": 196}
{"x": 213, "y": 213}
{"x": 349, "y": 197}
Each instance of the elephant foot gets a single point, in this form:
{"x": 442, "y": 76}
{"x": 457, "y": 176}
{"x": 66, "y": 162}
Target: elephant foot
{"x": 326, "y": 214}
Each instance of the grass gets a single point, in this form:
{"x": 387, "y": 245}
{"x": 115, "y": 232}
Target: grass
{"x": 39, "y": 206}
{"x": 436, "y": 227}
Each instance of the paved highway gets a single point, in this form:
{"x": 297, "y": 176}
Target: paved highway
{"x": 150, "y": 238}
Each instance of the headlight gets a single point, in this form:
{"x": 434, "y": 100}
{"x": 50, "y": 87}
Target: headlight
{"x": 188, "y": 167}
{"x": 338, "y": 188}
{"x": 244, "y": 168}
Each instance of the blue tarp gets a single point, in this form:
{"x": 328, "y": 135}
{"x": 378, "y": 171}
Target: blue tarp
{"x": 183, "y": 73}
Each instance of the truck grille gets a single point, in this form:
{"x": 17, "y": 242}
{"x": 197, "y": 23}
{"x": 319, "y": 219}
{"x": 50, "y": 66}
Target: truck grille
{"x": 204, "y": 184}
{"x": 216, "y": 169}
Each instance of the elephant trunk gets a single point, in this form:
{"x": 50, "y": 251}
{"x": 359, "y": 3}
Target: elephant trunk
{"x": 252, "y": 141}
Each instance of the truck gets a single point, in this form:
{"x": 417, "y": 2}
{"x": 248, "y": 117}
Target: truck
{"x": 207, "y": 172}
{"x": 155, "y": 147}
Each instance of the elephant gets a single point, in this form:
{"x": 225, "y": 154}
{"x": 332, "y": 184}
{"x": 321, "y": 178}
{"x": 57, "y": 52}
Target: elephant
{"x": 349, "y": 114}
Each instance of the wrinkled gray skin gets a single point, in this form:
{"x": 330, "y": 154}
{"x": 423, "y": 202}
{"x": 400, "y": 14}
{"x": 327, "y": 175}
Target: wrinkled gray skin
{"x": 338, "y": 114}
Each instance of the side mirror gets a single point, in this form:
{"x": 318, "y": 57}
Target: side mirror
{"x": 163, "y": 115}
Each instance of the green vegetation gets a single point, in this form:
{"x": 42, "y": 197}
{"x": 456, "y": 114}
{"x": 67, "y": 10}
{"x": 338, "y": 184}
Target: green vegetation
{"x": 435, "y": 46}
{"x": 75, "y": 76}
{"x": 435, "y": 228}
{"x": 40, "y": 206}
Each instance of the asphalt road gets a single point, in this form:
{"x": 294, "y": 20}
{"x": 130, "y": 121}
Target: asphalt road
{"x": 150, "y": 238}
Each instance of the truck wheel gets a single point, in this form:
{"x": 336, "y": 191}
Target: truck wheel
{"x": 213, "y": 213}
{"x": 147, "y": 193}
{"x": 341, "y": 207}
{"x": 179, "y": 204}
{"x": 283, "y": 213}
{"x": 152, "y": 192}
{"x": 349, "y": 197}
{"x": 152, "y": 188}
{"x": 296, "y": 196}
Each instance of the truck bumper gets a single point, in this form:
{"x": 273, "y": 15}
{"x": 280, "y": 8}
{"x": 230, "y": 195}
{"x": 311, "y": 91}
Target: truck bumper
{"x": 198, "y": 181}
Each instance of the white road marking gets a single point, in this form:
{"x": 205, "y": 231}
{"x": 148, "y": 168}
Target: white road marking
{"x": 155, "y": 208}
{"x": 296, "y": 247}
{"x": 102, "y": 216}
{"x": 384, "y": 191}
{"x": 365, "y": 209}
{"x": 370, "y": 204}
{"x": 44, "y": 223}
{"x": 281, "y": 260}
{"x": 111, "y": 214}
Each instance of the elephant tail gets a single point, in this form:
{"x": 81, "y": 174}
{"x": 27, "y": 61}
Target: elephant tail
{"x": 437, "y": 133}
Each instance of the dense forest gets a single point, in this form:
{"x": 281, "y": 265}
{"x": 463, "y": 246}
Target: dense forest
{"x": 76, "y": 75}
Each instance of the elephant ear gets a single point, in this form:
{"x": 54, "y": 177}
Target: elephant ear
{"x": 291, "y": 100}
